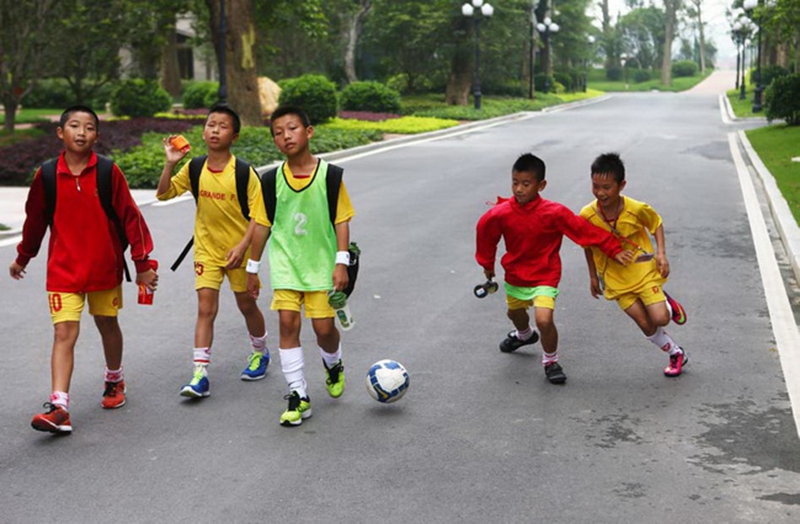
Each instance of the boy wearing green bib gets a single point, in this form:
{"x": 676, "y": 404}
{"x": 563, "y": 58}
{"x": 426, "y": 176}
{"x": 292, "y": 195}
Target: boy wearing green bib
{"x": 308, "y": 257}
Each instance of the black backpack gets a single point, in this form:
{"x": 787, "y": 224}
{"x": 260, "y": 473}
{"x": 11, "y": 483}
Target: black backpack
{"x": 333, "y": 181}
{"x": 242, "y": 179}
{"x": 104, "y": 167}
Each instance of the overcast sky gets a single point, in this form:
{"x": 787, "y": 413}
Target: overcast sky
{"x": 717, "y": 26}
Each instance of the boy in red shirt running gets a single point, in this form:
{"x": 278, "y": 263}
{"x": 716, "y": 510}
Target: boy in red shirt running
{"x": 85, "y": 260}
{"x": 533, "y": 229}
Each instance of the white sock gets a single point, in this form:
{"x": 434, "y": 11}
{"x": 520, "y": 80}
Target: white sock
{"x": 664, "y": 341}
{"x": 60, "y": 398}
{"x": 259, "y": 343}
{"x": 526, "y": 334}
{"x": 202, "y": 356}
{"x": 331, "y": 359}
{"x": 113, "y": 375}
{"x": 549, "y": 358}
{"x": 292, "y": 367}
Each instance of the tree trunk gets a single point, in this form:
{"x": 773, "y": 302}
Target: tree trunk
{"x": 240, "y": 63}
{"x": 459, "y": 80}
{"x": 10, "y": 107}
{"x": 671, "y": 9}
{"x": 701, "y": 31}
{"x": 170, "y": 72}
{"x": 353, "y": 30}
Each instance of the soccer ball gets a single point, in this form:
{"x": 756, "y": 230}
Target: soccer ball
{"x": 387, "y": 381}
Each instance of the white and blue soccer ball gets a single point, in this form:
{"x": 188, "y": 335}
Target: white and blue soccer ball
{"x": 387, "y": 381}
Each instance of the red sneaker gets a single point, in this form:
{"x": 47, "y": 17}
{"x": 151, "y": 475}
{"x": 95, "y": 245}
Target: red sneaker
{"x": 676, "y": 363}
{"x": 54, "y": 420}
{"x": 678, "y": 313}
{"x": 114, "y": 395}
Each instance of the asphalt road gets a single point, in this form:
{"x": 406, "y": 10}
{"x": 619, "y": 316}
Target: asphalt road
{"x": 481, "y": 436}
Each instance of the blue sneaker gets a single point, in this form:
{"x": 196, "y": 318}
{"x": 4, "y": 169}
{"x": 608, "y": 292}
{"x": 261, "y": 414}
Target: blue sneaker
{"x": 198, "y": 387}
{"x": 256, "y": 366}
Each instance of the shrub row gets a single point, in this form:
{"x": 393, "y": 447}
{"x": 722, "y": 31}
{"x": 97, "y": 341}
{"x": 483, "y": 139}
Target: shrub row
{"x": 782, "y": 99}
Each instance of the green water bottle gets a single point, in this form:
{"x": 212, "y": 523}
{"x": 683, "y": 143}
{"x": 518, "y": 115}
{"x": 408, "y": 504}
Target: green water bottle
{"x": 338, "y": 301}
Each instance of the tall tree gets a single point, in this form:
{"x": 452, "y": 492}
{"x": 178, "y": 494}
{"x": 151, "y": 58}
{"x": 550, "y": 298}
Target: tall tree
{"x": 354, "y": 23}
{"x": 25, "y": 35}
{"x": 696, "y": 13}
{"x": 671, "y": 8}
{"x": 239, "y": 55}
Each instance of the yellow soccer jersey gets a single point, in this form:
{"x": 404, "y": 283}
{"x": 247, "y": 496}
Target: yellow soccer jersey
{"x": 219, "y": 224}
{"x": 636, "y": 222}
{"x": 344, "y": 208}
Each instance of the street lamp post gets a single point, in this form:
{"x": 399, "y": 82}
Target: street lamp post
{"x": 587, "y": 62}
{"x": 749, "y": 6}
{"x": 486, "y": 10}
{"x": 223, "y": 83}
{"x": 547, "y": 27}
{"x": 530, "y": 57}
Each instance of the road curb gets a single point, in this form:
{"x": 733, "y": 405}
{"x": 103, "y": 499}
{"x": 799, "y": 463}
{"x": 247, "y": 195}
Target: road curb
{"x": 779, "y": 208}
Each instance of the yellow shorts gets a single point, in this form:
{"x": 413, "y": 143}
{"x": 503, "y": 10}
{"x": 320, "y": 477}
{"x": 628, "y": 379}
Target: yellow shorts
{"x": 209, "y": 276}
{"x": 67, "y": 307}
{"x": 518, "y": 297}
{"x": 649, "y": 293}
{"x": 316, "y": 302}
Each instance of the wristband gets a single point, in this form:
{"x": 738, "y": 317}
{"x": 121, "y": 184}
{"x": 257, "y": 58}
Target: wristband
{"x": 253, "y": 266}
{"x": 343, "y": 257}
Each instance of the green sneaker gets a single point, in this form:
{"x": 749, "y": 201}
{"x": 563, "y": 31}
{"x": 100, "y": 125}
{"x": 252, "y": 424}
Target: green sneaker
{"x": 335, "y": 380}
{"x": 299, "y": 408}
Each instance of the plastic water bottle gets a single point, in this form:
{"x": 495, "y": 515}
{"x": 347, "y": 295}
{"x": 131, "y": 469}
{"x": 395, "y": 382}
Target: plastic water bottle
{"x": 338, "y": 302}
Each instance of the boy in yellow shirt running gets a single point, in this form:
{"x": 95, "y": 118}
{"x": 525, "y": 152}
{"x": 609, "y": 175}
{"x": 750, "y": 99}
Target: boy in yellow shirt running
{"x": 637, "y": 287}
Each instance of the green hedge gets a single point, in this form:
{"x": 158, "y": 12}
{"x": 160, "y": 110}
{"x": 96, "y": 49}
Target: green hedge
{"x": 314, "y": 93}
{"x": 137, "y": 97}
{"x": 782, "y": 99}
{"x": 684, "y": 68}
{"x": 200, "y": 94}
{"x": 370, "y": 96}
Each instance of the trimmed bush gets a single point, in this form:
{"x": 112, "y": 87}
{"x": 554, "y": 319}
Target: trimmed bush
{"x": 614, "y": 74}
{"x": 139, "y": 97}
{"x": 782, "y": 99}
{"x": 314, "y": 93}
{"x": 684, "y": 68}
{"x": 539, "y": 81}
{"x": 566, "y": 80}
{"x": 198, "y": 94}
{"x": 641, "y": 75}
{"x": 772, "y": 72}
{"x": 370, "y": 96}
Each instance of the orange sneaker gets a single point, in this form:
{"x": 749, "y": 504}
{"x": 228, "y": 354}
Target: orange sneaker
{"x": 54, "y": 420}
{"x": 114, "y": 395}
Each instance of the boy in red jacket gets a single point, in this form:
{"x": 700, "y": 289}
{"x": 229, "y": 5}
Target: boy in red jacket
{"x": 85, "y": 260}
{"x": 533, "y": 229}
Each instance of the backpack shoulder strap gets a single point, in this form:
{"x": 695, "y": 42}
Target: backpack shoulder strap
{"x": 49, "y": 180}
{"x": 268, "y": 180}
{"x": 195, "y": 168}
{"x": 105, "y": 192}
{"x": 242, "y": 180}
{"x": 333, "y": 180}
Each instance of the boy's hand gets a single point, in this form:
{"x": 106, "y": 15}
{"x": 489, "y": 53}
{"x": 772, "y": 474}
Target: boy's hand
{"x": 173, "y": 155}
{"x": 340, "y": 277}
{"x": 594, "y": 287}
{"x": 253, "y": 285}
{"x": 236, "y": 256}
{"x": 16, "y": 271}
{"x": 149, "y": 278}
{"x": 488, "y": 273}
{"x": 662, "y": 264}
{"x": 624, "y": 257}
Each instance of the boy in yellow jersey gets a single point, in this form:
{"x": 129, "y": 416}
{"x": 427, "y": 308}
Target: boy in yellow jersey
{"x": 221, "y": 240}
{"x": 637, "y": 287}
{"x": 308, "y": 256}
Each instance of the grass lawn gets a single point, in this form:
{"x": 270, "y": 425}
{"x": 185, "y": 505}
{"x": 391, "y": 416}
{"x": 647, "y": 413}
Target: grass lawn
{"x": 598, "y": 81}
{"x": 742, "y": 108}
{"x": 31, "y": 116}
{"x": 777, "y": 145}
